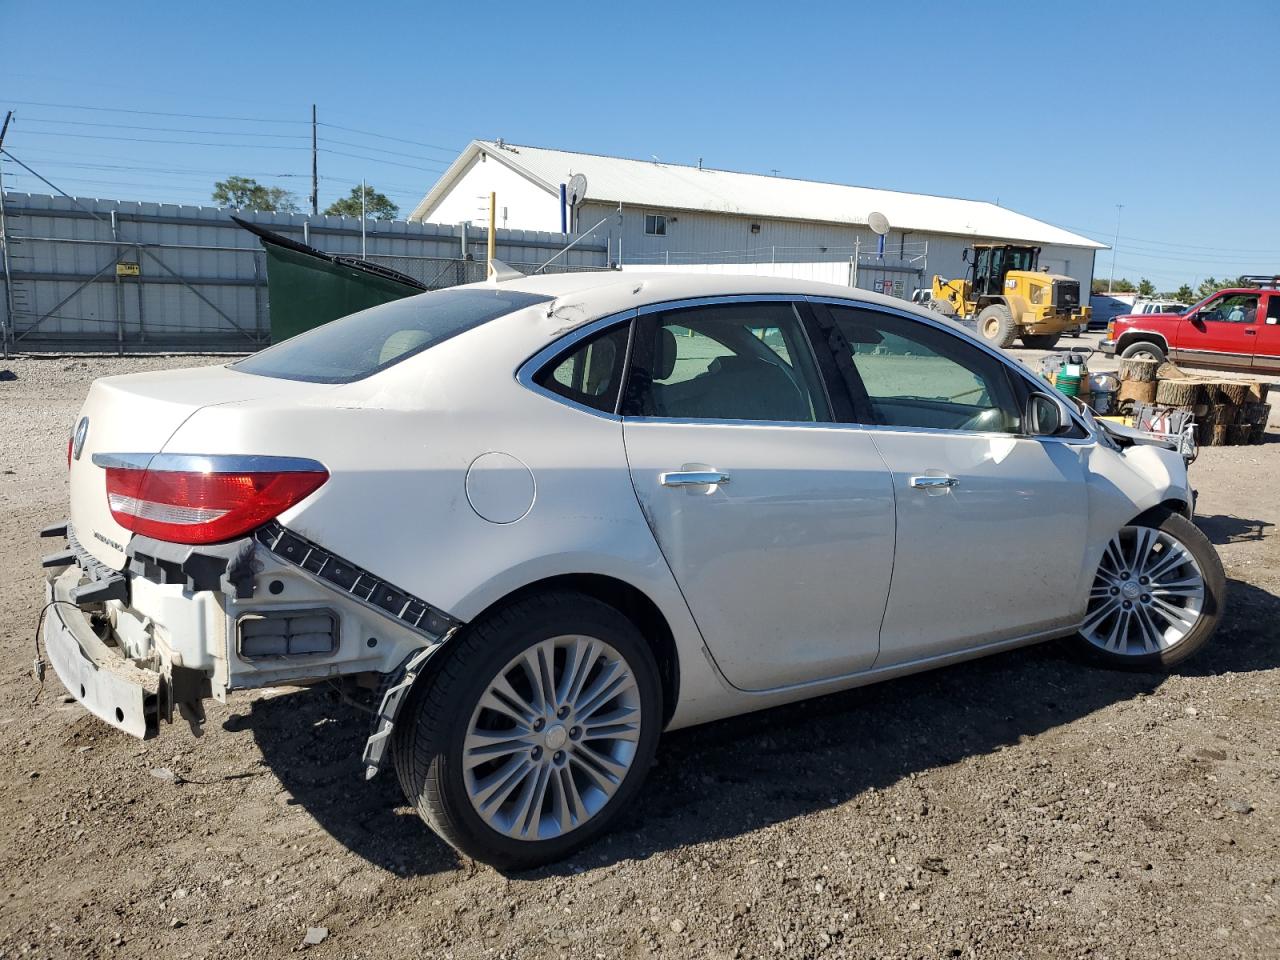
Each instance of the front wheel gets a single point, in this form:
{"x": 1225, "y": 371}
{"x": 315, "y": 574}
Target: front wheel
{"x": 995, "y": 324}
{"x": 533, "y": 734}
{"x": 1157, "y": 596}
{"x": 1143, "y": 350}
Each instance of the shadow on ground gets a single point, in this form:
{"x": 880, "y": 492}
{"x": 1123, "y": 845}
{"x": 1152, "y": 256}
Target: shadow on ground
{"x": 736, "y": 776}
{"x": 1224, "y": 528}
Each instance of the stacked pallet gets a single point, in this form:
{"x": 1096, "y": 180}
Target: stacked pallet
{"x": 1226, "y": 412}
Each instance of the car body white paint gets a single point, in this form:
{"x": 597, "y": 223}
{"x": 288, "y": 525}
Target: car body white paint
{"x": 456, "y": 481}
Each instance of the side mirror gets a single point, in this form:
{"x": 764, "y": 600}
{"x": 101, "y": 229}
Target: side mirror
{"x": 964, "y": 254}
{"x": 1046, "y": 416}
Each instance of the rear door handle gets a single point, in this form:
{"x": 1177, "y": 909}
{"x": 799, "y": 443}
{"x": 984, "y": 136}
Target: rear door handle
{"x": 692, "y": 478}
{"x": 929, "y": 483}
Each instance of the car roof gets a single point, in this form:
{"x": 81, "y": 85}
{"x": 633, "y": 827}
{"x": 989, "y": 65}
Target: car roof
{"x": 641, "y": 288}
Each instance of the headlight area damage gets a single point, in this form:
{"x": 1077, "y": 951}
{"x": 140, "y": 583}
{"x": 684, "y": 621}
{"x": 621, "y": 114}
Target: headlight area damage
{"x": 182, "y": 623}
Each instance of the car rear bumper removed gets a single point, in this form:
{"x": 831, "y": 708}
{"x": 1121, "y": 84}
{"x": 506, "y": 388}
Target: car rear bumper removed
{"x": 100, "y": 679}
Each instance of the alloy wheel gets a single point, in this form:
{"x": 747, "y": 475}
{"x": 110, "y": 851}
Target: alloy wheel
{"x": 552, "y": 738}
{"x": 1147, "y": 596}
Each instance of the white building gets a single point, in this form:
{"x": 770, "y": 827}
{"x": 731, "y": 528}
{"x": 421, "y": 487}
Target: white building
{"x": 655, "y": 215}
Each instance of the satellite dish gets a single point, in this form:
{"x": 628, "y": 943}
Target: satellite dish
{"x": 878, "y": 223}
{"x": 577, "y": 189}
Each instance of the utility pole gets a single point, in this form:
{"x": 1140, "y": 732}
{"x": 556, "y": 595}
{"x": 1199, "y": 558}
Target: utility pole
{"x": 364, "y": 218}
{"x": 493, "y": 240}
{"x": 4, "y": 251}
{"x": 315, "y": 179}
{"x": 1111, "y": 282}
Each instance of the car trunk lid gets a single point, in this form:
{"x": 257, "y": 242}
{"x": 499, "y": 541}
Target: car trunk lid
{"x": 138, "y": 414}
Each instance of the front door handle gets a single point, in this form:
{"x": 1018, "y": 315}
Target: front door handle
{"x": 692, "y": 478}
{"x": 930, "y": 483}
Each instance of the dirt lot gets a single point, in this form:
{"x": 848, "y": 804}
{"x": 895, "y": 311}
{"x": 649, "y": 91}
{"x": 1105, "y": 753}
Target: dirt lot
{"x": 1021, "y": 806}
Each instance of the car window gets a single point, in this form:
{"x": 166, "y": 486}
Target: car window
{"x": 736, "y": 361}
{"x": 589, "y": 373}
{"x": 1232, "y": 308}
{"x": 357, "y": 346}
{"x": 909, "y": 374}
{"x": 1273, "y": 307}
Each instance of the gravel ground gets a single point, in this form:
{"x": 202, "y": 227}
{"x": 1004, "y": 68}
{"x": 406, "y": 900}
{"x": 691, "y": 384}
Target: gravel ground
{"x": 1019, "y": 806}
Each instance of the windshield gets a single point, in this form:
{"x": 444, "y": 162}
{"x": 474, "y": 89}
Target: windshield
{"x": 357, "y": 346}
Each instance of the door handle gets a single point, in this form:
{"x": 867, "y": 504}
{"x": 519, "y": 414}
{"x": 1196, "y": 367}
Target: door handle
{"x": 930, "y": 483}
{"x": 1250, "y": 333}
{"x": 692, "y": 478}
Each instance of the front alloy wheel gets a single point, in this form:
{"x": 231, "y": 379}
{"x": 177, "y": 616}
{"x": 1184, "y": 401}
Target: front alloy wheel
{"x": 1156, "y": 597}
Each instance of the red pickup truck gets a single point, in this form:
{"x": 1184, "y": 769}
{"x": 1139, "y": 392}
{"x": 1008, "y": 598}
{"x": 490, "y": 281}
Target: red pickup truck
{"x": 1237, "y": 327}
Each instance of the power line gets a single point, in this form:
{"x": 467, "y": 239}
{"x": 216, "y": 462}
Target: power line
{"x": 152, "y": 113}
{"x": 390, "y": 153}
{"x": 127, "y": 126}
{"x": 383, "y": 136}
{"x": 189, "y": 143}
{"x": 393, "y": 163}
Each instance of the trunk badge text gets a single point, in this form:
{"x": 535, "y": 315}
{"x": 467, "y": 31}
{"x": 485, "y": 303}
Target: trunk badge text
{"x": 77, "y": 441}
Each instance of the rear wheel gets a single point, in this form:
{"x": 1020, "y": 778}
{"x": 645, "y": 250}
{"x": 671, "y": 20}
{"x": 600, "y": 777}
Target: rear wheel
{"x": 995, "y": 324}
{"x": 1157, "y": 595}
{"x": 535, "y": 732}
{"x": 1143, "y": 350}
{"x": 1041, "y": 341}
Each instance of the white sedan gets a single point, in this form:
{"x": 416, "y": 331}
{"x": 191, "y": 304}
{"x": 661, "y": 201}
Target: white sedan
{"x": 552, "y": 517}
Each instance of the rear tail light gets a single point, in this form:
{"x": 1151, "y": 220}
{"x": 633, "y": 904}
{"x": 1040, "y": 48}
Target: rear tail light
{"x": 187, "y": 498}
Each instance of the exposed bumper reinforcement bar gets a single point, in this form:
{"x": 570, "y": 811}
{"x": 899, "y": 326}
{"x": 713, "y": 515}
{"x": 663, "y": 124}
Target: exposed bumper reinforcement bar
{"x": 103, "y": 682}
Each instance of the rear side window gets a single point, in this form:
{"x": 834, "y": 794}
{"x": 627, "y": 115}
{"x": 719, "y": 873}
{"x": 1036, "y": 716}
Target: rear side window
{"x": 733, "y": 361}
{"x": 589, "y": 373}
{"x": 358, "y": 346}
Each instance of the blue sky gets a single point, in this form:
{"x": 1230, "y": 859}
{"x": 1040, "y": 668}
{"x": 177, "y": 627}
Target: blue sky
{"x": 1059, "y": 111}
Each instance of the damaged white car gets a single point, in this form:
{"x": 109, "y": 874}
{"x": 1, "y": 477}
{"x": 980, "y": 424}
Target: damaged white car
{"x": 552, "y": 517}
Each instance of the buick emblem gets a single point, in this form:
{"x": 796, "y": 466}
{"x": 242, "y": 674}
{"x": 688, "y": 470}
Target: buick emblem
{"x": 77, "y": 440}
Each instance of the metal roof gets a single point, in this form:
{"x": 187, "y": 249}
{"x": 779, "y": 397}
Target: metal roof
{"x": 669, "y": 186}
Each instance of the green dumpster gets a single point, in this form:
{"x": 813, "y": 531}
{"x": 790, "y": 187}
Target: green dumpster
{"x": 307, "y": 287}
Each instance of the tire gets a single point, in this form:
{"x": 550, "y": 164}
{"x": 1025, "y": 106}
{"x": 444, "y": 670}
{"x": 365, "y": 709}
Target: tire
{"x": 1041, "y": 341}
{"x": 996, "y": 326}
{"x": 1143, "y": 350}
{"x": 1172, "y": 638}
{"x": 446, "y": 711}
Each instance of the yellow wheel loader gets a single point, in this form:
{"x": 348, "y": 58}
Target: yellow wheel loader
{"x": 1010, "y": 298}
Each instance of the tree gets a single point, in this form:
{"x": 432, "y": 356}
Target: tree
{"x": 1120, "y": 286}
{"x": 1185, "y": 294}
{"x": 1146, "y": 288}
{"x": 377, "y": 206}
{"x": 246, "y": 193}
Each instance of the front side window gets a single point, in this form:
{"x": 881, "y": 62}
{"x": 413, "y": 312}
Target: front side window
{"x": 733, "y": 361}
{"x": 655, "y": 225}
{"x": 1232, "y": 308}
{"x": 357, "y": 346}
{"x": 909, "y": 374}
{"x": 590, "y": 373}
{"x": 1273, "y": 308}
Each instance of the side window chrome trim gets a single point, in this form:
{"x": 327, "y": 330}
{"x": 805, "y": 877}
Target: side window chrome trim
{"x": 529, "y": 369}
{"x": 1017, "y": 368}
{"x": 724, "y": 298}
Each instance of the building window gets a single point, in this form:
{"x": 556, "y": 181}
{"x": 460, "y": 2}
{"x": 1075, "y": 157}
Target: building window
{"x": 655, "y": 225}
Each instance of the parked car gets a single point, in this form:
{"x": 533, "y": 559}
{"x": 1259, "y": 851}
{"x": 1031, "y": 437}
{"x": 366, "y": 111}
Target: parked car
{"x": 1105, "y": 307}
{"x": 1143, "y": 307}
{"x": 1237, "y": 327}
{"x": 552, "y": 517}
